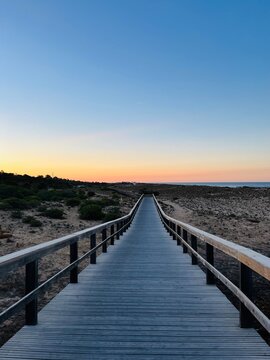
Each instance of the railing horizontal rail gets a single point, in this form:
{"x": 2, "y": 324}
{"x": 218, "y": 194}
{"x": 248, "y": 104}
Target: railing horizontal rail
{"x": 19, "y": 258}
{"x": 255, "y": 261}
{"x": 263, "y": 319}
{"x": 247, "y": 308}
{"x": 31, "y": 255}
{"x": 45, "y": 285}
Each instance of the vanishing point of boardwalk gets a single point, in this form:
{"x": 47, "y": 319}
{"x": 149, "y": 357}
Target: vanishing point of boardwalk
{"x": 142, "y": 300}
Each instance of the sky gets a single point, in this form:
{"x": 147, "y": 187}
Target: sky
{"x": 136, "y": 90}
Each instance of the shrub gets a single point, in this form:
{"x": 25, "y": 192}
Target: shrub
{"x": 32, "y": 201}
{"x": 9, "y": 191}
{"x": 54, "y": 213}
{"x": 14, "y": 203}
{"x": 90, "y": 193}
{"x": 55, "y": 195}
{"x": 109, "y": 202}
{"x": 42, "y": 208}
{"x": 73, "y": 202}
{"x": 3, "y": 206}
{"x": 47, "y": 195}
{"x": 16, "y": 214}
{"x": 113, "y": 214}
{"x": 91, "y": 212}
{"x": 33, "y": 222}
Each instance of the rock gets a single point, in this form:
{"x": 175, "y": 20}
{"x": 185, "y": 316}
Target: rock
{"x": 4, "y": 234}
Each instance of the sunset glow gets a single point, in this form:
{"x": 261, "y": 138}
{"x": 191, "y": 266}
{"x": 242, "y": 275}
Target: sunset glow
{"x": 145, "y": 91}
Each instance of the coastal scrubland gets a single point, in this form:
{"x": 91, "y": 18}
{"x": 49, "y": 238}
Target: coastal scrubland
{"x": 240, "y": 215}
{"x": 34, "y": 210}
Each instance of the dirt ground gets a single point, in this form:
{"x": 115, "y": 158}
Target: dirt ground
{"x": 23, "y": 236}
{"x": 241, "y": 215}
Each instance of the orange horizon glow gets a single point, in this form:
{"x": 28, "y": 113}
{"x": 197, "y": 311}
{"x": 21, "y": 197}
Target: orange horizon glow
{"x": 92, "y": 92}
{"x": 150, "y": 176}
{"x": 134, "y": 159}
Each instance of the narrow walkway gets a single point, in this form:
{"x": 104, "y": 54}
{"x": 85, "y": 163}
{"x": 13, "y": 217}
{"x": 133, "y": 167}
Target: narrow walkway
{"x": 143, "y": 300}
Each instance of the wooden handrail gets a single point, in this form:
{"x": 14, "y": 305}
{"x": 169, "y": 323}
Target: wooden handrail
{"x": 248, "y": 260}
{"x": 22, "y": 257}
{"x": 30, "y": 256}
{"x": 255, "y": 261}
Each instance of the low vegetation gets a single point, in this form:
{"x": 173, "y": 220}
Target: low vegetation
{"x": 32, "y": 221}
{"x": 91, "y": 212}
{"x": 46, "y": 195}
{"x": 54, "y": 213}
{"x": 112, "y": 214}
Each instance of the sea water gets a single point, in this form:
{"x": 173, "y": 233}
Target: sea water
{"x": 225, "y": 184}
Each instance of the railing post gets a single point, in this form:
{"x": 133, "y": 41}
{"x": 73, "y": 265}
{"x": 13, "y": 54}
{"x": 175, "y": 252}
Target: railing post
{"x": 126, "y": 222}
{"x": 174, "y": 229}
{"x": 185, "y": 236}
{"x": 170, "y": 226}
{"x": 93, "y": 243}
{"x": 121, "y": 226}
{"x": 112, "y": 238}
{"x": 73, "y": 257}
{"x": 210, "y": 278}
{"x": 117, "y": 229}
{"x": 31, "y": 282}
{"x": 245, "y": 274}
{"x": 104, "y": 236}
{"x": 124, "y": 225}
{"x": 166, "y": 227}
{"x": 179, "y": 233}
{"x": 194, "y": 260}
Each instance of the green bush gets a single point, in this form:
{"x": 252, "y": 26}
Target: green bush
{"x": 11, "y": 191}
{"x": 33, "y": 201}
{"x": 3, "y": 206}
{"x": 55, "y": 195}
{"x": 103, "y": 202}
{"x": 54, "y": 213}
{"x": 42, "y": 208}
{"x": 73, "y": 202}
{"x": 108, "y": 202}
{"x": 91, "y": 212}
{"x": 14, "y": 203}
{"x": 90, "y": 193}
{"x": 16, "y": 214}
{"x": 113, "y": 214}
{"x": 33, "y": 222}
{"x": 81, "y": 194}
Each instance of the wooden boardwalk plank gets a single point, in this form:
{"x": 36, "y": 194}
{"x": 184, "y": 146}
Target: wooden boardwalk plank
{"x": 143, "y": 300}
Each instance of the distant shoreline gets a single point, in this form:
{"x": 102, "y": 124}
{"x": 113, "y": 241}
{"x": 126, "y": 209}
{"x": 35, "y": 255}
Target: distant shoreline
{"x": 222, "y": 184}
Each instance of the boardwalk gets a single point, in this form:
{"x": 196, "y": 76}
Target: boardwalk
{"x": 142, "y": 300}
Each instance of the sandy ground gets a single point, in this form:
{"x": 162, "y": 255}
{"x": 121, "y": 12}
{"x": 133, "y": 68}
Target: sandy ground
{"x": 23, "y": 236}
{"x": 241, "y": 215}
{"x": 238, "y": 215}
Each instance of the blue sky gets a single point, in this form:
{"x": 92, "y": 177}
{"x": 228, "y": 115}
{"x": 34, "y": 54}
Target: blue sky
{"x": 163, "y": 86}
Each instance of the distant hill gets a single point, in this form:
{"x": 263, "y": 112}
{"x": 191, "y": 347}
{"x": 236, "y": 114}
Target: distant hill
{"x": 38, "y": 182}
{"x": 20, "y": 192}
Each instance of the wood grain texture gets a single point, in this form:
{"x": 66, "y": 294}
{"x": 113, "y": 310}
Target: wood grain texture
{"x": 143, "y": 300}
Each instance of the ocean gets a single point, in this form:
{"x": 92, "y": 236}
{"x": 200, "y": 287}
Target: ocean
{"x": 224, "y": 184}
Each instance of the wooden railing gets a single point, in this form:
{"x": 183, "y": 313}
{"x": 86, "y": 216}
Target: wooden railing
{"x": 249, "y": 261}
{"x": 29, "y": 258}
